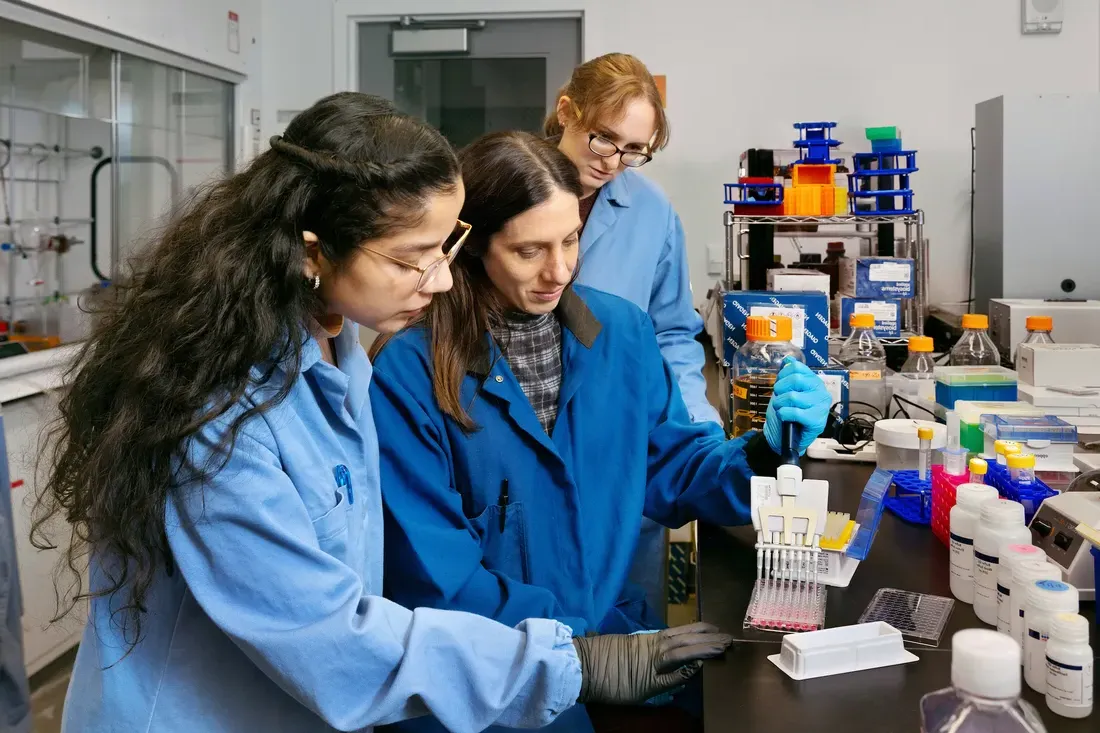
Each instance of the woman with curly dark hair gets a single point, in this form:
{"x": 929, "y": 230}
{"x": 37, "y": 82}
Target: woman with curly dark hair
{"x": 217, "y": 462}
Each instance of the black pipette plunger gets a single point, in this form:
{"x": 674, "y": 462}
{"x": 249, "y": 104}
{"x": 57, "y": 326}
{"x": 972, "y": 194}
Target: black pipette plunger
{"x": 790, "y": 443}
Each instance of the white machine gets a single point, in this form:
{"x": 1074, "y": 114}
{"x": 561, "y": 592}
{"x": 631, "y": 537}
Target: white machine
{"x": 1054, "y": 530}
{"x": 1075, "y": 321}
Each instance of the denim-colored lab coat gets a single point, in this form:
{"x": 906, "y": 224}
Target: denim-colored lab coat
{"x": 510, "y": 522}
{"x": 633, "y": 246}
{"x": 15, "y": 702}
{"x": 271, "y": 621}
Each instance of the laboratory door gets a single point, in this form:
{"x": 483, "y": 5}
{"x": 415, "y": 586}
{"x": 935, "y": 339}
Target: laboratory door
{"x": 472, "y": 76}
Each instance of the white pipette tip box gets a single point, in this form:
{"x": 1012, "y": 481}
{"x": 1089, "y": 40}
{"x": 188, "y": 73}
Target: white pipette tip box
{"x": 841, "y": 650}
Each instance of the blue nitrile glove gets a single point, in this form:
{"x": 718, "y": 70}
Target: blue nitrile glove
{"x": 799, "y": 397}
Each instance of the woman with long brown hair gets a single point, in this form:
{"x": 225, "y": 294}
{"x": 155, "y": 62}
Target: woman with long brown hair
{"x": 217, "y": 463}
{"x": 530, "y": 423}
{"x": 610, "y": 121}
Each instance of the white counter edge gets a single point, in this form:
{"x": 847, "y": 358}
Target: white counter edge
{"x": 30, "y": 374}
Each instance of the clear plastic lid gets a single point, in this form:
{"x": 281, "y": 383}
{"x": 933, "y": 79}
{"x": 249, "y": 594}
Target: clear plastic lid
{"x": 1024, "y": 428}
{"x": 971, "y": 376}
{"x": 869, "y": 513}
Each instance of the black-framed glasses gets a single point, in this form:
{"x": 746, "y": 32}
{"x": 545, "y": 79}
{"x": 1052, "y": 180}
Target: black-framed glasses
{"x": 450, "y": 251}
{"x": 604, "y": 148}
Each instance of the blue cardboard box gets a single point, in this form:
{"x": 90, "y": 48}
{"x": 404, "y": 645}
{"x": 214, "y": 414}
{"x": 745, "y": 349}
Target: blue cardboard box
{"x": 809, "y": 313}
{"x": 836, "y": 381}
{"x": 887, "y": 315}
{"x": 881, "y": 278}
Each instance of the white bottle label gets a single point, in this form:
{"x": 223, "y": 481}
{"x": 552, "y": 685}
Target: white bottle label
{"x": 1004, "y": 609}
{"x": 889, "y": 272}
{"x": 1069, "y": 684}
{"x": 962, "y": 557}
{"x": 1035, "y": 647}
{"x": 985, "y": 577}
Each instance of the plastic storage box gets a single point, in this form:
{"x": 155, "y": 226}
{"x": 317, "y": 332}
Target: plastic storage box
{"x": 985, "y": 383}
{"x": 1050, "y": 439}
{"x": 971, "y": 435}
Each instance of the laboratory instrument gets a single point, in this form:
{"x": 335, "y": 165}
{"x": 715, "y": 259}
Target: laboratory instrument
{"x": 964, "y": 526}
{"x": 1024, "y": 576}
{"x": 1016, "y": 252}
{"x": 999, "y": 522}
{"x": 1044, "y": 600}
{"x": 919, "y": 617}
{"x": 789, "y": 515}
{"x": 1054, "y": 529}
{"x": 841, "y": 650}
{"x": 1069, "y": 667}
{"x": 1077, "y": 321}
{"x": 865, "y": 358}
{"x": 978, "y": 469}
{"x": 1010, "y": 558}
{"x": 756, "y": 366}
{"x": 984, "y": 696}
{"x": 974, "y": 347}
{"x": 1038, "y": 332}
{"x": 1021, "y": 467}
{"x": 924, "y": 435}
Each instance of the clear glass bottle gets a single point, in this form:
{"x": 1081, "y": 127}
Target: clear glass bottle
{"x": 756, "y": 366}
{"x": 984, "y": 696}
{"x": 920, "y": 362}
{"x": 865, "y": 359}
{"x": 974, "y": 347}
{"x": 1038, "y": 332}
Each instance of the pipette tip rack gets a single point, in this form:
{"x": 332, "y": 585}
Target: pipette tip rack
{"x": 786, "y": 606}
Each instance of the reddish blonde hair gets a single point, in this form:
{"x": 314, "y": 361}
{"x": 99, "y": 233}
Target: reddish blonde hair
{"x": 602, "y": 88}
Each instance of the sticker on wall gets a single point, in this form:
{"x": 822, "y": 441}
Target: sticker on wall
{"x": 234, "y": 32}
{"x": 660, "y": 79}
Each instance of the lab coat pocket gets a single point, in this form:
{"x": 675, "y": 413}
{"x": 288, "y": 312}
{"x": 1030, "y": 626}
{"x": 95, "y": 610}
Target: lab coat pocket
{"x": 332, "y": 528}
{"x": 504, "y": 544}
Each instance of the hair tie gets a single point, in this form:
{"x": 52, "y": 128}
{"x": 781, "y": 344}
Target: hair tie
{"x": 275, "y": 139}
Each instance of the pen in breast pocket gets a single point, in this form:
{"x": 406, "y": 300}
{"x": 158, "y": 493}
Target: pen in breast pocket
{"x": 503, "y": 502}
{"x": 343, "y": 481}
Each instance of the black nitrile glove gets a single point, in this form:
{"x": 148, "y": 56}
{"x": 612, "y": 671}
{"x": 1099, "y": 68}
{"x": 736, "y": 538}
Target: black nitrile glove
{"x": 622, "y": 669}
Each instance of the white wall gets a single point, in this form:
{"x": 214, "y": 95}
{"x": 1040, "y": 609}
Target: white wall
{"x": 741, "y": 71}
{"x": 195, "y": 28}
{"x": 297, "y": 57}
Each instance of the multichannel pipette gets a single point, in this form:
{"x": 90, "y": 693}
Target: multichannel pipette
{"x": 789, "y": 516}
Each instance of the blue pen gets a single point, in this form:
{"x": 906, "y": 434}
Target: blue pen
{"x": 343, "y": 481}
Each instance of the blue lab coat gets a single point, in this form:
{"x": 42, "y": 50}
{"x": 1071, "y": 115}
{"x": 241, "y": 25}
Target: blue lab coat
{"x": 15, "y": 701}
{"x": 270, "y": 620}
{"x": 559, "y": 542}
{"x": 633, "y": 247}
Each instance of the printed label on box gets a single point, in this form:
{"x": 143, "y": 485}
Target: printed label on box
{"x": 834, "y": 383}
{"x": 858, "y": 374}
{"x": 797, "y": 316}
{"x": 890, "y": 272}
{"x": 884, "y": 312}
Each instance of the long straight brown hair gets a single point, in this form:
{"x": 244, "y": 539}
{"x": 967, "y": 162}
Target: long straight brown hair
{"x": 505, "y": 174}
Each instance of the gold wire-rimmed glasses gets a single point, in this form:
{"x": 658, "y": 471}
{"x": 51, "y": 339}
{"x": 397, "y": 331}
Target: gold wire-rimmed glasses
{"x": 450, "y": 251}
